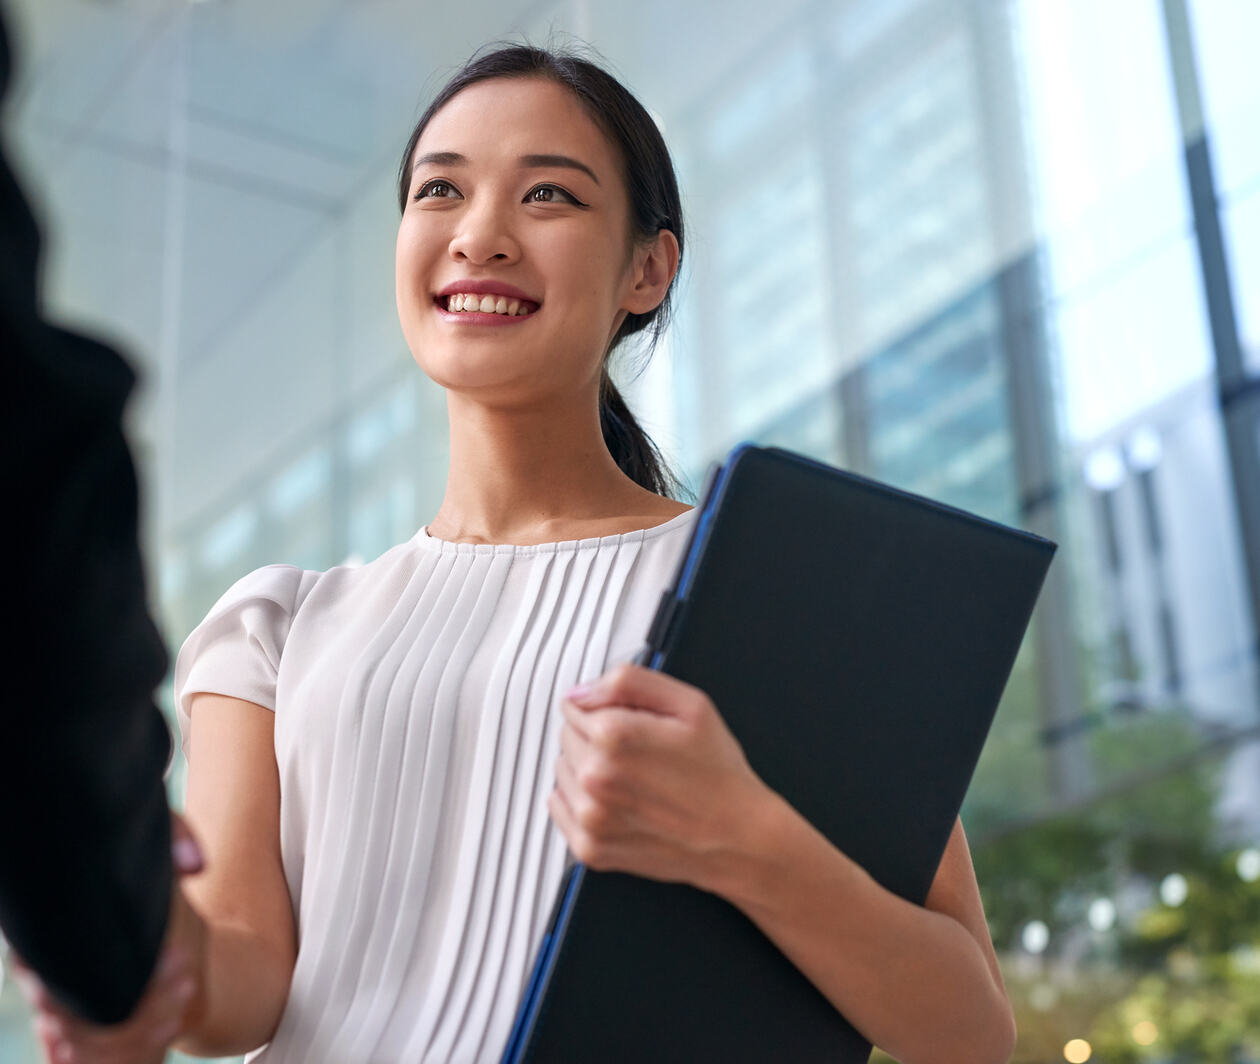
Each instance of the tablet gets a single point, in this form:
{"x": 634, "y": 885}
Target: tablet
{"x": 856, "y": 640}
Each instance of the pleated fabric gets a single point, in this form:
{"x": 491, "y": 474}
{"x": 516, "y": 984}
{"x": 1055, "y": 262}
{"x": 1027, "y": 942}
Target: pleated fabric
{"x": 417, "y": 728}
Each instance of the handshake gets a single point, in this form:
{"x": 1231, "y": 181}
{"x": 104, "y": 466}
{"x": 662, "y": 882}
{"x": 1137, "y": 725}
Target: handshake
{"x": 172, "y": 1002}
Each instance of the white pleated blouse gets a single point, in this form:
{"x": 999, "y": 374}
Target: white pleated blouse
{"x": 417, "y": 728}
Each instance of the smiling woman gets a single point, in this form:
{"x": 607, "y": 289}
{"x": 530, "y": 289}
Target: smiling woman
{"x": 538, "y": 131}
{"x": 390, "y": 765}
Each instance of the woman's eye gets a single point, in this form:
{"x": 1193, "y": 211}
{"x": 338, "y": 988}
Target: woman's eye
{"x": 552, "y": 194}
{"x": 436, "y": 189}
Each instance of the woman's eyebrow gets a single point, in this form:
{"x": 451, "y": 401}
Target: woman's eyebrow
{"x": 536, "y": 161}
{"x": 531, "y": 162}
{"x": 440, "y": 158}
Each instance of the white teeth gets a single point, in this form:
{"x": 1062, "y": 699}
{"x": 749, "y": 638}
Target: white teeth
{"x": 472, "y": 303}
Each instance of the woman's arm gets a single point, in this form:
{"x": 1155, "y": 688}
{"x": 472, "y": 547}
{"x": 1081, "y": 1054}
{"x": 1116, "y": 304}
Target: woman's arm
{"x": 233, "y": 806}
{"x": 650, "y": 781}
{"x": 922, "y": 983}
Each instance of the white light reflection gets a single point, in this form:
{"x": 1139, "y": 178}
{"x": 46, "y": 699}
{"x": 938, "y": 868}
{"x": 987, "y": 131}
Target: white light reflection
{"x": 1036, "y": 936}
{"x": 1173, "y": 889}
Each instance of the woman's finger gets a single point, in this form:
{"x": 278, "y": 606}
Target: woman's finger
{"x": 615, "y": 729}
{"x": 574, "y": 717}
{"x": 640, "y": 688}
{"x": 566, "y": 780}
{"x": 574, "y": 746}
{"x": 185, "y": 850}
{"x": 562, "y": 814}
{"x": 48, "y": 1035}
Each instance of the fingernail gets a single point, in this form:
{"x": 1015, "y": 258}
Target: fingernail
{"x": 172, "y": 963}
{"x": 581, "y": 692}
{"x": 187, "y": 854}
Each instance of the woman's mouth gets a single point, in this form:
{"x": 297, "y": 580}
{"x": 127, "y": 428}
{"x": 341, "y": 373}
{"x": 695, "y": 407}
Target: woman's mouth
{"x": 473, "y": 305}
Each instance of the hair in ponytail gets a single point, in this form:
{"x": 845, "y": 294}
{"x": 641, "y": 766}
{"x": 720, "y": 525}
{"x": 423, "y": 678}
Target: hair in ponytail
{"x": 655, "y": 204}
{"x": 636, "y": 454}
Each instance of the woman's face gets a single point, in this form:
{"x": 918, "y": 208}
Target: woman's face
{"x": 517, "y": 208}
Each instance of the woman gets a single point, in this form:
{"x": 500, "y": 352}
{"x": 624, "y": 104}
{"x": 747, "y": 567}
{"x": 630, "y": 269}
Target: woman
{"x": 386, "y": 763}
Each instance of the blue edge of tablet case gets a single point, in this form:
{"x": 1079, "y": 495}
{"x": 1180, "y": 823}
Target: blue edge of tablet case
{"x": 856, "y": 639}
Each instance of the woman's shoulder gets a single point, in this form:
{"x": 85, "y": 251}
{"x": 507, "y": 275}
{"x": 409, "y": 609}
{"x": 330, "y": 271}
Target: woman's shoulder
{"x": 675, "y": 519}
{"x": 653, "y": 519}
{"x": 290, "y": 586}
{"x": 673, "y": 510}
{"x": 278, "y": 583}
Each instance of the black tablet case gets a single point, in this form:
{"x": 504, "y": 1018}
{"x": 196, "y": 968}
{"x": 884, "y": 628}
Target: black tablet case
{"x": 856, "y": 640}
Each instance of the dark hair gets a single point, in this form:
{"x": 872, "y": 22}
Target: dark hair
{"x": 654, "y": 205}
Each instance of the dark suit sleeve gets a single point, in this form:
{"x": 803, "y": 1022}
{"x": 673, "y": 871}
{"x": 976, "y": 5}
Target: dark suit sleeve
{"x": 85, "y": 868}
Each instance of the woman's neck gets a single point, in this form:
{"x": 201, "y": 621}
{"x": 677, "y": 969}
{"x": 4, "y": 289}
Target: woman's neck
{"x": 536, "y": 475}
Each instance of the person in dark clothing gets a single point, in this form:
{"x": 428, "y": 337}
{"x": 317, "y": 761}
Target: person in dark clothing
{"x": 86, "y": 875}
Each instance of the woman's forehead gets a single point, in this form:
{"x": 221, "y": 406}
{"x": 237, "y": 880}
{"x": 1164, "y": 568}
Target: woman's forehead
{"x": 505, "y": 118}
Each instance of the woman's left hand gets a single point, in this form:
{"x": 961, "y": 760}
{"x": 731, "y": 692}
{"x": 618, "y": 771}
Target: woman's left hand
{"x": 650, "y": 780}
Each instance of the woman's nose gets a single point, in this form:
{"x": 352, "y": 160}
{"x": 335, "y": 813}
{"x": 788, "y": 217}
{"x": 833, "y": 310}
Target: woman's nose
{"x": 484, "y": 236}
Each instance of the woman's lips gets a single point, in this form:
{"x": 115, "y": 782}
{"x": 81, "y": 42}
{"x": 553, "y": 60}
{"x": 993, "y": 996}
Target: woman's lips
{"x": 486, "y": 287}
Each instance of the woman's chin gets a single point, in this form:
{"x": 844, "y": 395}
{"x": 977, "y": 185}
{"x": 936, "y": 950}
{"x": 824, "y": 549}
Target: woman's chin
{"x": 513, "y": 375}
{"x": 483, "y": 379}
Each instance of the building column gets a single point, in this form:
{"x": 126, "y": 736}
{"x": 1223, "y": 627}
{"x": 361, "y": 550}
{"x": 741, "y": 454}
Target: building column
{"x": 1238, "y": 391}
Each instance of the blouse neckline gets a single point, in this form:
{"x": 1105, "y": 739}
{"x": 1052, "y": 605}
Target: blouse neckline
{"x": 592, "y": 543}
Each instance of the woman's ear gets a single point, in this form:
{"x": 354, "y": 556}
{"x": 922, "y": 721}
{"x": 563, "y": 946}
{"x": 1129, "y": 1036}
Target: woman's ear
{"x": 655, "y": 264}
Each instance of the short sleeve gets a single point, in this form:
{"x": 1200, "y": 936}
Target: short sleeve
{"x": 236, "y": 650}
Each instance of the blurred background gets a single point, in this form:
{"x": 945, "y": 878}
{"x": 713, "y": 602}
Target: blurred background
{"x": 1005, "y": 253}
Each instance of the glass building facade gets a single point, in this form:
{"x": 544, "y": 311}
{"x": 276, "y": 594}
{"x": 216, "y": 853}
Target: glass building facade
{"x": 1005, "y": 253}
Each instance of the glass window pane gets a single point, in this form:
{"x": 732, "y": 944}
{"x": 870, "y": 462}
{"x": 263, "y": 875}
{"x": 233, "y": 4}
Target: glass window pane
{"x": 1127, "y": 344}
{"x": 1107, "y": 157}
{"x": 1225, "y": 32}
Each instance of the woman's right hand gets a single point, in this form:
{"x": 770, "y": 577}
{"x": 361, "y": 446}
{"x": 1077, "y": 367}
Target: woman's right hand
{"x": 172, "y": 1002}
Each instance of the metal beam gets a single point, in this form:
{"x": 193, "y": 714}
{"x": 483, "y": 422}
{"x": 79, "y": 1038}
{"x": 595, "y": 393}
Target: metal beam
{"x": 1237, "y": 391}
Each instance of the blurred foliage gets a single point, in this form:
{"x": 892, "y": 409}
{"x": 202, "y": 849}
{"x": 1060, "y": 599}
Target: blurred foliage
{"x": 1051, "y": 870}
{"x": 1198, "y": 973}
{"x": 1190, "y": 973}
{"x": 1010, "y": 779}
